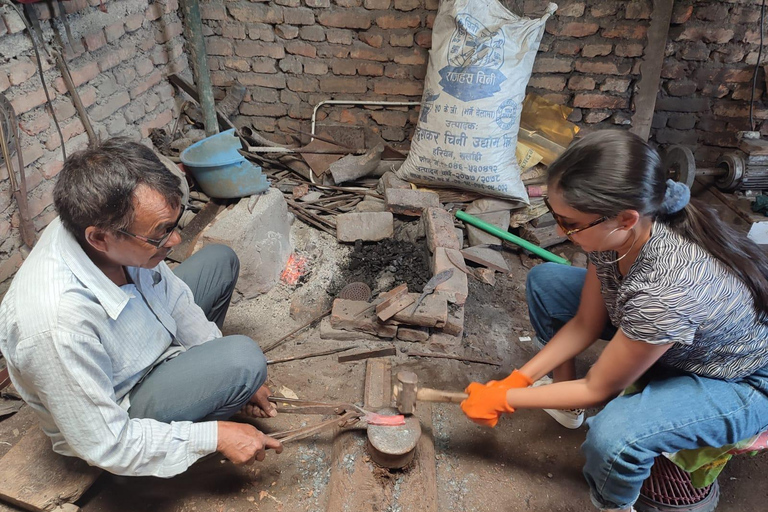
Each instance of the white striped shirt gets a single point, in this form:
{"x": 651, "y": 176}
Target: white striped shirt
{"x": 676, "y": 292}
{"x": 76, "y": 344}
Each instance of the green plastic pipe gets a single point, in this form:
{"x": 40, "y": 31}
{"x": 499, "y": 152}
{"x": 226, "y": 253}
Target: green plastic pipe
{"x": 509, "y": 237}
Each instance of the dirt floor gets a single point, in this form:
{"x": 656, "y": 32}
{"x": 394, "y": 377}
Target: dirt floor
{"x": 527, "y": 463}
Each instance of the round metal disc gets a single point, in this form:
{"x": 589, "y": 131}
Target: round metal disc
{"x": 356, "y": 291}
{"x": 734, "y": 163}
{"x": 681, "y": 164}
{"x": 393, "y": 447}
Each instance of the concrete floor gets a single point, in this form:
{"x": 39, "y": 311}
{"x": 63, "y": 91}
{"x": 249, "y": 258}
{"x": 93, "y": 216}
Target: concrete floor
{"x": 527, "y": 463}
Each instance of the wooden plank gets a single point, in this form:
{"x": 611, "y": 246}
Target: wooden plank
{"x": 378, "y": 384}
{"x": 650, "y": 68}
{"x": 35, "y": 478}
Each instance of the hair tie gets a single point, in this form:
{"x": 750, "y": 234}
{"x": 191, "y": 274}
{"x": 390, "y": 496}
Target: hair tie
{"x": 676, "y": 198}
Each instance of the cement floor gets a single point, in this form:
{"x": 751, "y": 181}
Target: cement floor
{"x": 528, "y": 463}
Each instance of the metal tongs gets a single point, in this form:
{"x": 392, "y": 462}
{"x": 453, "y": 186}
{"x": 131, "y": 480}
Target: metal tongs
{"x": 346, "y": 415}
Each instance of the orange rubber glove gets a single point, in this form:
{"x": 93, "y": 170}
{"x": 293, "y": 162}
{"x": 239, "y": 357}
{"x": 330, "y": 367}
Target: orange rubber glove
{"x": 513, "y": 380}
{"x": 485, "y": 403}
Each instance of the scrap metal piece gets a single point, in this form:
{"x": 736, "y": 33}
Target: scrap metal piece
{"x": 429, "y": 288}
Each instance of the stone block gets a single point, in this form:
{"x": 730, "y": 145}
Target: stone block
{"x": 356, "y": 315}
{"x": 413, "y": 334}
{"x": 455, "y": 289}
{"x": 439, "y": 229}
{"x": 410, "y": 202}
{"x": 493, "y": 211}
{"x": 432, "y": 312}
{"x": 367, "y": 226}
{"x": 261, "y": 239}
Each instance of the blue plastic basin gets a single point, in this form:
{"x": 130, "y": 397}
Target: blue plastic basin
{"x": 220, "y": 170}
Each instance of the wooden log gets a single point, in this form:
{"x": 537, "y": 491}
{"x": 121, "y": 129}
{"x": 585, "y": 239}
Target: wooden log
{"x": 34, "y": 477}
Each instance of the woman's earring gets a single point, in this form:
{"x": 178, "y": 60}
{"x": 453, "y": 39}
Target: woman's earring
{"x": 634, "y": 239}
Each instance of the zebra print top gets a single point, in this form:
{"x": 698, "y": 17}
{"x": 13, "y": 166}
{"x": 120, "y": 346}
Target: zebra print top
{"x": 676, "y": 292}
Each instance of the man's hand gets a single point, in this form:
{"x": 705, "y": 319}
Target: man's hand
{"x": 485, "y": 403}
{"x": 242, "y": 443}
{"x": 259, "y": 405}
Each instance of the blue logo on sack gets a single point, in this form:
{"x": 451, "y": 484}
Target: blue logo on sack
{"x": 507, "y": 114}
{"x": 475, "y": 56}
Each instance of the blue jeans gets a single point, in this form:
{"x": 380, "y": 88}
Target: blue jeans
{"x": 675, "y": 411}
{"x": 214, "y": 380}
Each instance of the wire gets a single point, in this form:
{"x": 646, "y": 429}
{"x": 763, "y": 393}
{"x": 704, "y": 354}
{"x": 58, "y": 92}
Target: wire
{"x": 40, "y": 69}
{"x": 752, "y": 125}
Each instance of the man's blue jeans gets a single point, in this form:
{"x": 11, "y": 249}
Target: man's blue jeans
{"x": 675, "y": 411}
{"x": 214, "y": 380}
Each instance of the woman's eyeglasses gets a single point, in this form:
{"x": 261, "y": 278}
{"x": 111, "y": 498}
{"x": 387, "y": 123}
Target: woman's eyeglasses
{"x": 157, "y": 242}
{"x": 572, "y": 231}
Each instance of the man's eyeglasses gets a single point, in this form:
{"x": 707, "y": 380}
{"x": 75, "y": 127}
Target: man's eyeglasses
{"x": 566, "y": 231}
{"x": 157, "y": 242}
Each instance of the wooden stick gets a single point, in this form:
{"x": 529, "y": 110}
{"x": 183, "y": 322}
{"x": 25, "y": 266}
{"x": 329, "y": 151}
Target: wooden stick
{"x": 455, "y": 357}
{"x": 312, "y": 354}
{"x": 390, "y": 351}
{"x": 282, "y": 340}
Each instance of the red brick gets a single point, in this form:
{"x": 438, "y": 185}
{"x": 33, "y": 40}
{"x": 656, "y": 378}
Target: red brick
{"x": 591, "y": 100}
{"x": 570, "y": 9}
{"x": 736, "y": 75}
{"x": 603, "y": 67}
{"x": 12, "y": 22}
{"x": 615, "y": 85}
{"x": 713, "y": 12}
{"x": 257, "y": 13}
{"x": 377, "y": 5}
{"x": 4, "y": 82}
{"x": 454, "y": 289}
{"x": 21, "y": 71}
{"x": 682, "y": 104}
{"x": 424, "y": 38}
{"x": 134, "y": 22}
{"x": 439, "y": 228}
{"x": 284, "y": 31}
{"x": 234, "y": 31}
{"x": 153, "y": 12}
{"x": 706, "y": 34}
{"x": 401, "y": 40}
{"x": 375, "y": 40}
{"x": 95, "y": 40}
{"x": 314, "y": 33}
{"x": 367, "y": 54}
{"x": 101, "y": 112}
{"x": 605, "y": 8}
{"x": 302, "y": 84}
{"x": 550, "y": 83}
{"x": 68, "y": 130}
{"x": 259, "y": 49}
{"x": 36, "y": 124}
{"x": 109, "y": 61}
{"x": 697, "y": 51}
{"x": 680, "y": 88}
{"x": 347, "y": 18}
{"x": 638, "y": 10}
{"x": 313, "y": 67}
{"x": 394, "y": 21}
{"x": 370, "y": 69}
{"x": 343, "y": 85}
{"x": 272, "y": 81}
{"x": 88, "y": 96}
{"x": 160, "y": 121}
{"x": 263, "y": 65}
{"x": 343, "y": 67}
{"x": 417, "y": 57}
{"x": 237, "y": 64}
{"x": 339, "y": 36}
{"x": 596, "y": 50}
{"x": 681, "y": 13}
{"x": 299, "y": 48}
{"x": 219, "y": 45}
{"x": 573, "y": 29}
{"x": 626, "y": 31}
{"x": 713, "y": 90}
{"x": 291, "y": 64}
{"x": 9, "y": 267}
{"x": 581, "y": 83}
{"x": 299, "y": 16}
{"x": 52, "y": 168}
{"x": 79, "y": 76}
{"x": 213, "y": 12}
{"x": 552, "y": 65}
{"x": 149, "y": 82}
{"x": 567, "y": 47}
{"x": 169, "y": 31}
{"x": 398, "y": 87}
{"x": 390, "y": 117}
{"x": 674, "y": 69}
{"x": 629, "y": 50}
{"x": 28, "y": 101}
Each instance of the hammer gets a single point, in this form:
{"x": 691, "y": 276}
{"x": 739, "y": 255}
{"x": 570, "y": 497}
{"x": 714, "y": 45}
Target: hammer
{"x": 406, "y": 392}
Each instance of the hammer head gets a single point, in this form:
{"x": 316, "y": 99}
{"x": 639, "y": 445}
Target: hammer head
{"x": 405, "y": 391}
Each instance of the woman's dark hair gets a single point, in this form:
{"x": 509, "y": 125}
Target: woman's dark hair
{"x": 96, "y": 185}
{"x": 609, "y": 171}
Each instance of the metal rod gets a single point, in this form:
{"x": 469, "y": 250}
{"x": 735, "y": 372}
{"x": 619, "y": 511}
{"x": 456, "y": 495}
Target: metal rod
{"x": 313, "y": 354}
{"x": 282, "y": 340}
{"x": 454, "y": 357}
{"x": 194, "y": 29}
{"x": 509, "y": 237}
{"x": 64, "y": 70}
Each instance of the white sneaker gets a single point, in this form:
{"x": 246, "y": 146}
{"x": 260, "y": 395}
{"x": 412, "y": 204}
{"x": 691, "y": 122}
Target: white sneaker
{"x": 569, "y": 418}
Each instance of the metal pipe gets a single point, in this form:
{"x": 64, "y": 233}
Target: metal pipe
{"x": 509, "y": 237}
{"x": 64, "y": 70}
{"x": 358, "y": 103}
{"x": 194, "y": 29}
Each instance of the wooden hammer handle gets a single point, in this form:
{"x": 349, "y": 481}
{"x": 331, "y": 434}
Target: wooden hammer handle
{"x": 435, "y": 395}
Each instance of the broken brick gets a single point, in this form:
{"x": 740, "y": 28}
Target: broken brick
{"x": 432, "y": 312}
{"x": 356, "y": 315}
{"x": 455, "y": 289}
{"x": 410, "y": 202}
{"x": 454, "y": 325}
{"x": 414, "y": 334}
{"x": 367, "y": 226}
{"x": 439, "y": 229}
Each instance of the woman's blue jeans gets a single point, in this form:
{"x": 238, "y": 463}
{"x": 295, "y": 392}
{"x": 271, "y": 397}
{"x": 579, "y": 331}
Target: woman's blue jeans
{"x": 675, "y": 411}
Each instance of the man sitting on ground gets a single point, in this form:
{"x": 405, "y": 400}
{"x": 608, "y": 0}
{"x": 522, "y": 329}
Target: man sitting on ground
{"x": 122, "y": 359}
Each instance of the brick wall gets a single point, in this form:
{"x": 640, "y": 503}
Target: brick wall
{"x": 294, "y": 53}
{"x": 121, "y": 77}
